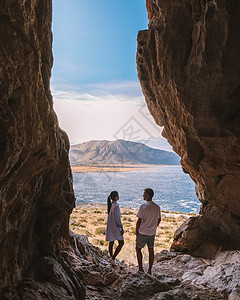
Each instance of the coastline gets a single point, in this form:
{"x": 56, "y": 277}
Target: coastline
{"x": 115, "y": 168}
{"x": 85, "y": 205}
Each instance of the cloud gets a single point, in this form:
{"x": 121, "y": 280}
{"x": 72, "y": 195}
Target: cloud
{"x": 125, "y": 88}
{"x": 123, "y": 91}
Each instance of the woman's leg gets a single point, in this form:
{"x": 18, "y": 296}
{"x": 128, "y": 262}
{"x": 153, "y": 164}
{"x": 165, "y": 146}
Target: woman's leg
{"x": 110, "y": 248}
{"x": 118, "y": 249}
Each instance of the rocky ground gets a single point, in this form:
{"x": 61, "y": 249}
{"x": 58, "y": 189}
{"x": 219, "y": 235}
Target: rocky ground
{"x": 176, "y": 276}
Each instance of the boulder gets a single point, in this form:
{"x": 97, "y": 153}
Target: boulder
{"x": 139, "y": 285}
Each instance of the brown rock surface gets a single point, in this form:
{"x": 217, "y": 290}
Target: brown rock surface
{"x": 35, "y": 179}
{"x": 189, "y": 69}
{"x": 39, "y": 259}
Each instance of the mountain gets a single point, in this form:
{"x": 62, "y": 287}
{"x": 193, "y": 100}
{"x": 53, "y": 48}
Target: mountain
{"x": 119, "y": 152}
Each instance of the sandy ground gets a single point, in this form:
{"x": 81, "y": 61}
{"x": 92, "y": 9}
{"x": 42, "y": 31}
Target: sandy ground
{"x": 113, "y": 168}
{"x": 91, "y": 220}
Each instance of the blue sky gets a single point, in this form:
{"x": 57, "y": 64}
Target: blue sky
{"x": 94, "y": 79}
{"x": 95, "y": 40}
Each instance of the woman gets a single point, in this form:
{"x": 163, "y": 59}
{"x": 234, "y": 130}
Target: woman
{"x": 114, "y": 226}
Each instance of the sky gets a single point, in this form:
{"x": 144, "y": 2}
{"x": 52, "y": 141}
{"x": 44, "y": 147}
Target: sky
{"x": 94, "y": 81}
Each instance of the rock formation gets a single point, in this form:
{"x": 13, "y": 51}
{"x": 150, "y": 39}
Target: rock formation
{"x": 177, "y": 276}
{"x": 35, "y": 179}
{"x": 188, "y": 66}
{"x": 189, "y": 69}
{"x": 221, "y": 274}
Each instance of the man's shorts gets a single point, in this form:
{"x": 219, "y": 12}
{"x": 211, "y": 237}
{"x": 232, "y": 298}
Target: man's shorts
{"x": 143, "y": 239}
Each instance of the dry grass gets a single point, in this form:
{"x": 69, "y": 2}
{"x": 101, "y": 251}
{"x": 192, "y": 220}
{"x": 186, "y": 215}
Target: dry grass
{"x": 91, "y": 220}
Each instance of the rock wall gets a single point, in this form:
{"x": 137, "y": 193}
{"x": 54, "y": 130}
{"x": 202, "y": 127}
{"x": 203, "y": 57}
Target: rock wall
{"x": 189, "y": 69}
{"x": 35, "y": 177}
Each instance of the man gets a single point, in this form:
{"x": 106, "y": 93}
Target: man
{"x": 149, "y": 217}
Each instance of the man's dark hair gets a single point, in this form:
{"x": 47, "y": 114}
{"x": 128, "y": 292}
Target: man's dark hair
{"x": 149, "y": 192}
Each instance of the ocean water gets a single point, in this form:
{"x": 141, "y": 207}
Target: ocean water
{"x": 174, "y": 190}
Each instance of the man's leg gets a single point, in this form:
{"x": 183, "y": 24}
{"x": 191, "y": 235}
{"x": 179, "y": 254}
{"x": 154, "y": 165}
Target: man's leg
{"x": 139, "y": 259}
{"x": 118, "y": 249}
{"x": 110, "y": 248}
{"x": 151, "y": 259}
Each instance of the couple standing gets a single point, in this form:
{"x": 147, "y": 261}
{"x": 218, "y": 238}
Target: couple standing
{"x": 149, "y": 217}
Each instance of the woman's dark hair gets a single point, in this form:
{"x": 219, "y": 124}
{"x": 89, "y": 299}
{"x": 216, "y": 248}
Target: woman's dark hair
{"x": 149, "y": 192}
{"x": 111, "y": 198}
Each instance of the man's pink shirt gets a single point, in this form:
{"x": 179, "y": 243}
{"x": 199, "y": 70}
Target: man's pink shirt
{"x": 149, "y": 212}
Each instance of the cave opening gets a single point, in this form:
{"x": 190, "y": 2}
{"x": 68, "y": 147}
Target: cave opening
{"x": 94, "y": 84}
{"x": 188, "y": 65}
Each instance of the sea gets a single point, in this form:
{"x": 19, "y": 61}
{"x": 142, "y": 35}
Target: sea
{"x": 173, "y": 189}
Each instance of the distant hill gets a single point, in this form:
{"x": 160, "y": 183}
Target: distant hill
{"x": 119, "y": 152}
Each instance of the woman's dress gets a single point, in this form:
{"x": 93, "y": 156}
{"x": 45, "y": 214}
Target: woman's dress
{"x": 114, "y": 224}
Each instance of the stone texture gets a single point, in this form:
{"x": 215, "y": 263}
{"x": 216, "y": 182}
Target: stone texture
{"x": 138, "y": 285}
{"x": 222, "y": 274}
{"x": 35, "y": 179}
{"x": 180, "y": 276}
{"x": 177, "y": 294}
{"x": 89, "y": 262}
{"x": 189, "y": 69}
{"x": 205, "y": 279}
{"x": 212, "y": 231}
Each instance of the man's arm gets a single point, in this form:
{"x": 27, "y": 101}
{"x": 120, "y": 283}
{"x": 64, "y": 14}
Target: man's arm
{"x": 159, "y": 220}
{"x": 138, "y": 224}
